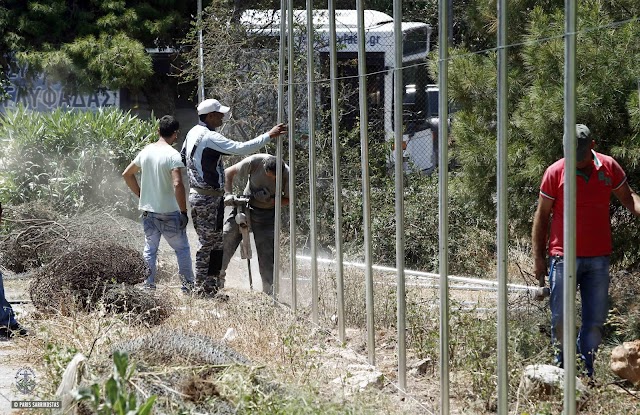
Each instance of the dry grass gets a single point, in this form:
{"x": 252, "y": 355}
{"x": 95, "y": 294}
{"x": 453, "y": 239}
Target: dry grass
{"x": 37, "y": 234}
{"x": 285, "y": 353}
{"x": 278, "y": 362}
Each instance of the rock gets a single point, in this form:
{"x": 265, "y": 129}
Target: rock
{"x": 544, "y": 380}
{"x": 360, "y": 377}
{"x": 421, "y": 367}
{"x": 230, "y": 335}
{"x": 625, "y": 361}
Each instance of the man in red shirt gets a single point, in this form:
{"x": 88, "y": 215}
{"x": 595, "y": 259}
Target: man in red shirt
{"x": 598, "y": 176}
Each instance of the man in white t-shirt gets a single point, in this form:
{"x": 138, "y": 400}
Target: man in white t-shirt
{"x": 163, "y": 200}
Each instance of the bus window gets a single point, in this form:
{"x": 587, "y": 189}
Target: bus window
{"x": 432, "y": 101}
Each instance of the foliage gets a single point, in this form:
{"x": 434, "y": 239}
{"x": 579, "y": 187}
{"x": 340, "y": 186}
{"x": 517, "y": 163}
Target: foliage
{"x": 56, "y": 358}
{"x": 252, "y": 393}
{"x": 471, "y": 236}
{"x": 607, "y": 69}
{"x": 623, "y": 321}
{"x": 243, "y": 69}
{"x": 473, "y": 343}
{"x": 3, "y": 85}
{"x": 93, "y": 44}
{"x": 70, "y": 159}
{"x": 114, "y": 398}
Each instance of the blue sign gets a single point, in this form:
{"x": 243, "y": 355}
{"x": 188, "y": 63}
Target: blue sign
{"x": 39, "y": 94}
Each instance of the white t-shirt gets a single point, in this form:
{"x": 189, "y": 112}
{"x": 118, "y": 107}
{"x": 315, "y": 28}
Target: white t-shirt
{"x": 156, "y": 183}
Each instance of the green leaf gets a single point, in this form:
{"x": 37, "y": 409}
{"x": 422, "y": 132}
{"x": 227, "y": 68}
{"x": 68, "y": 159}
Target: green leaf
{"x": 95, "y": 390}
{"x": 121, "y": 362}
{"x": 146, "y": 408}
{"x": 112, "y": 391}
{"x": 132, "y": 400}
{"x": 82, "y": 394}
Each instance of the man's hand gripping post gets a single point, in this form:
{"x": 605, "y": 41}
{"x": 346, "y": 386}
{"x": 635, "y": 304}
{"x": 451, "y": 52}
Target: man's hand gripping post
{"x": 540, "y": 272}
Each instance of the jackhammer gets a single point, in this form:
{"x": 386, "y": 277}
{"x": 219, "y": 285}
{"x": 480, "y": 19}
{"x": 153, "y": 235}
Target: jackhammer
{"x": 243, "y": 219}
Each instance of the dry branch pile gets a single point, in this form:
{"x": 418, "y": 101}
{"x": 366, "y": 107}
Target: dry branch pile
{"x": 80, "y": 277}
{"x": 38, "y": 234}
{"x": 33, "y": 228}
{"x": 80, "y": 261}
{"x": 142, "y": 306}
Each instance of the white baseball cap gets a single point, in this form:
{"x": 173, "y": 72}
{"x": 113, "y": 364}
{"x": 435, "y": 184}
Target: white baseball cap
{"x": 211, "y": 105}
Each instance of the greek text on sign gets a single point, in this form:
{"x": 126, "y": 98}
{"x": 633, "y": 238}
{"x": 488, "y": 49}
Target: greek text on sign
{"x": 41, "y": 95}
{"x": 53, "y": 97}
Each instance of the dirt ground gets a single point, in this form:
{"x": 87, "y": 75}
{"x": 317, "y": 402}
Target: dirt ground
{"x": 12, "y": 352}
{"x": 338, "y": 362}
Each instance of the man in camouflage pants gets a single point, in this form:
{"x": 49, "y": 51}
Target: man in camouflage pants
{"x": 202, "y": 153}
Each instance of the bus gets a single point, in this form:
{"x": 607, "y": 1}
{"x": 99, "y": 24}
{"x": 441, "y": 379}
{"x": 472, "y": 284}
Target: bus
{"x": 420, "y": 100}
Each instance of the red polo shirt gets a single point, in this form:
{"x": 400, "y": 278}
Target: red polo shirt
{"x": 593, "y": 194}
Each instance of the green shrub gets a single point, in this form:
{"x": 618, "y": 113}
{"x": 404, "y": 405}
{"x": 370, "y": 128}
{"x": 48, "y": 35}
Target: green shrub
{"x": 69, "y": 159}
{"x": 114, "y": 398}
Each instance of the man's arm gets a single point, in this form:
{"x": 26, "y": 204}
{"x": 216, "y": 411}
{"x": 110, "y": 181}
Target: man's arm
{"x": 178, "y": 189}
{"x": 183, "y": 153}
{"x": 227, "y": 146}
{"x": 229, "y": 174}
{"x": 539, "y": 237}
{"x": 628, "y": 198}
{"x": 129, "y": 175}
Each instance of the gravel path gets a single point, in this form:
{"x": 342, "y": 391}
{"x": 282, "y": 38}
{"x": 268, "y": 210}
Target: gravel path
{"x": 12, "y": 352}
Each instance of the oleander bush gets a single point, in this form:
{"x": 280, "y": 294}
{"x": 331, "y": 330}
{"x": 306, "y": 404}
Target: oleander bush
{"x": 71, "y": 160}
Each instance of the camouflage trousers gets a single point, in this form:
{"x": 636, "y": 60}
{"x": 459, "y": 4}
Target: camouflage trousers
{"x": 207, "y": 214}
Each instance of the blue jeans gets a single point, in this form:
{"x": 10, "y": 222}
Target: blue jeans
{"x": 592, "y": 278}
{"x": 7, "y": 318}
{"x": 167, "y": 225}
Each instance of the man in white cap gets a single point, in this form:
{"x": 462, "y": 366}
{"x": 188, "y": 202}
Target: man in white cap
{"x": 202, "y": 153}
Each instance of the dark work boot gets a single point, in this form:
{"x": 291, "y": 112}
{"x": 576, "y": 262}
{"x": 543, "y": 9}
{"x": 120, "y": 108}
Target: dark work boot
{"x": 10, "y": 332}
{"x": 208, "y": 287}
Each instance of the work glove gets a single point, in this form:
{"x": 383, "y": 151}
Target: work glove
{"x": 262, "y": 195}
{"x": 184, "y": 220}
{"x": 229, "y": 199}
